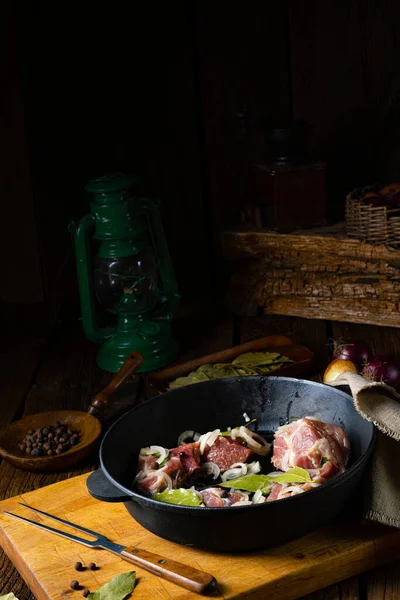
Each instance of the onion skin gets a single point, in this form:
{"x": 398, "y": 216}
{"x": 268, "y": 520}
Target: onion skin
{"x": 338, "y": 367}
{"x": 357, "y": 351}
{"x": 383, "y": 368}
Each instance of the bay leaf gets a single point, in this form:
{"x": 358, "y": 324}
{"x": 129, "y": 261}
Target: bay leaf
{"x": 180, "y": 496}
{"x": 118, "y": 588}
{"x": 254, "y": 482}
{"x": 296, "y": 475}
{"x": 256, "y": 358}
{"x": 248, "y": 483}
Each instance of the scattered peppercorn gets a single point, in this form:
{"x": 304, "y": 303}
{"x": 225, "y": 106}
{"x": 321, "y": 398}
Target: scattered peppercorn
{"x": 85, "y": 593}
{"x": 92, "y": 566}
{"x": 78, "y": 566}
{"x": 49, "y": 440}
{"x": 74, "y": 585}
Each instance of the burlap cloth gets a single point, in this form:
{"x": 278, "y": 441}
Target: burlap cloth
{"x": 380, "y": 404}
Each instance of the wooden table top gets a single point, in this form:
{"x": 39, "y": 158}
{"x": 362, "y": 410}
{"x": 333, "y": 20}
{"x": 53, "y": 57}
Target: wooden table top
{"x": 60, "y": 372}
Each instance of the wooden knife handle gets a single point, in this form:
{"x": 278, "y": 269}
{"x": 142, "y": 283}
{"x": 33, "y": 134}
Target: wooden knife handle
{"x": 187, "y": 577}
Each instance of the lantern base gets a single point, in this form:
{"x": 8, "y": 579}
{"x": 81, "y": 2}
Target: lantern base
{"x": 152, "y": 339}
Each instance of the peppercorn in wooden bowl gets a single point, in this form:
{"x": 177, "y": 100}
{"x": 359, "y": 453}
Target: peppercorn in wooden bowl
{"x": 73, "y": 436}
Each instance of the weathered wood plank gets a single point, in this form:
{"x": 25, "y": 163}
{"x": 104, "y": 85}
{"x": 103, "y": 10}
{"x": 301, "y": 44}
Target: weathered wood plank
{"x": 17, "y": 371}
{"x": 198, "y": 336}
{"x": 313, "y": 275}
{"x": 383, "y": 583}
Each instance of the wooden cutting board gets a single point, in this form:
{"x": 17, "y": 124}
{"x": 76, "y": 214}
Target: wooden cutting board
{"x": 46, "y": 561}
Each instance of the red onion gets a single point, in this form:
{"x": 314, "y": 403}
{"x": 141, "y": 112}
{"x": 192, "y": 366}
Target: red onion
{"x": 383, "y": 368}
{"x": 356, "y": 351}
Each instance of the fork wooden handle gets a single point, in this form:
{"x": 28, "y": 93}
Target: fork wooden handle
{"x": 176, "y": 572}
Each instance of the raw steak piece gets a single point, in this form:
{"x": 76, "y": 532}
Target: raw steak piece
{"x": 189, "y": 455}
{"x": 234, "y": 497}
{"x": 309, "y": 443}
{"x": 280, "y": 491}
{"x": 224, "y": 452}
{"x": 213, "y": 497}
{"x": 147, "y": 462}
{"x": 152, "y": 481}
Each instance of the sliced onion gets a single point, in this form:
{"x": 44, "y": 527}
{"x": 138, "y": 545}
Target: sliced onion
{"x": 242, "y": 503}
{"x": 151, "y": 450}
{"x": 253, "y": 467}
{"x": 293, "y": 488}
{"x": 163, "y": 452}
{"x": 275, "y": 473}
{"x": 139, "y": 475}
{"x": 258, "y": 497}
{"x": 208, "y": 439}
{"x": 211, "y": 469}
{"x": 261, "y": 447}
{"x": 236, "y": 470}
{"x": 189, "y": 434}
{"x": 167, "y": 480}
{"x": 239, "y": 465}
{"x": 145, "y": 451}
{"x": 193, "y": 489}
{"x": 285, "y": 460}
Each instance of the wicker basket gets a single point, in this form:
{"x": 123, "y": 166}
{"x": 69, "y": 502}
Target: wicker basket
{"x": 373, "y": 224}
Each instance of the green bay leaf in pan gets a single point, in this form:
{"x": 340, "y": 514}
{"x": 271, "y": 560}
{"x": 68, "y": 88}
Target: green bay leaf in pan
{"x": 180, "y": 496}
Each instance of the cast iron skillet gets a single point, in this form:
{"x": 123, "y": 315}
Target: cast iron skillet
{"x": 221, "y": 404}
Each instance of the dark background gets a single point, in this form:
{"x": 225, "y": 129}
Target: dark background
{"x": 174, "y": 92}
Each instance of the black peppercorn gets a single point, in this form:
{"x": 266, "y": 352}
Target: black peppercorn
{"x": 92, "y": 566}
{"x": 49, "y": 440}
{"x": 74, "y": 585}
{"x": 85, "y": 593}
{"x": 78, "y": 566}
{"x": 37, "y": 452}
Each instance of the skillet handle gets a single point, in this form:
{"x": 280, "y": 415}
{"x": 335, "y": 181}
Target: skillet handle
{"x": 171, "y": 570}
{"x": 102, "y": 489}
{"x": 101, "y": 400}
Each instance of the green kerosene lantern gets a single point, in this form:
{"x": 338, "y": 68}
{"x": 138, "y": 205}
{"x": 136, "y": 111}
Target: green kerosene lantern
{"x": 130, "y": 274}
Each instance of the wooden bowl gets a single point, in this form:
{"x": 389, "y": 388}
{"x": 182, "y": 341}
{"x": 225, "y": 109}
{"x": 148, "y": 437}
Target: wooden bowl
{"x": 88, "y": 426}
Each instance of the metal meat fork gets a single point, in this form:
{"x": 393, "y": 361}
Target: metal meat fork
{"x": 187, "y": 577}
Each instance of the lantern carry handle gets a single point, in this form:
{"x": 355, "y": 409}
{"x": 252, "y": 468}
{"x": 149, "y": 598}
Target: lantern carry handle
{"x": 84, "y": 272}
{"x": 170, "y": 288}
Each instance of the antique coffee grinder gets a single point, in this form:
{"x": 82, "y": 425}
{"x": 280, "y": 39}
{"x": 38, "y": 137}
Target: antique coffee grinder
{"x": 123, "y": 263}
